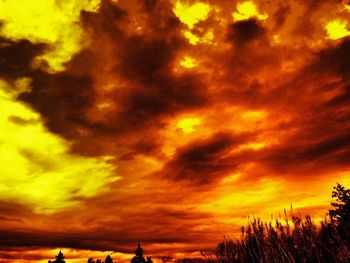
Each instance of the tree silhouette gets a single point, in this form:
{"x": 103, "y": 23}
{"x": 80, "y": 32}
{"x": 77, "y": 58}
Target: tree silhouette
{"x": 108, "y": 259}
{"x": 340, "y": 214}
{"x": 59, "y": 258}
{"x": 139, "y": 258}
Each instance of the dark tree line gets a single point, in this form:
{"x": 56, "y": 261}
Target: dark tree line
{"x": 138, "y": 258}
{"x": 107, "y": 260}
{"x": 60, "y": 259}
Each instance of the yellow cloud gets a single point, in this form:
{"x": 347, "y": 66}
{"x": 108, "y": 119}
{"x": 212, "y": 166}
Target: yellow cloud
{"x": 188, "y": 62}
{"x": 347, "y": 7}
{"x": 187, "y": 124}
{"x": 193, "y": 39}
{"x": 262, "y": 192}
{"x": 36, "y": 166}
{"x": 191, "y": 14}
{"x": 253, "y": 115}
{"x": 337, "y": 29}
{"x": 247, "y": 10}
{"x": 232, "y": 178}
{"x": 50, "y": 21}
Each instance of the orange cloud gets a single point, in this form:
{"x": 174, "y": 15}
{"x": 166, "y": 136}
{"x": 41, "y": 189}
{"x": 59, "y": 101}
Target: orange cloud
{"x": 167, "y": 122}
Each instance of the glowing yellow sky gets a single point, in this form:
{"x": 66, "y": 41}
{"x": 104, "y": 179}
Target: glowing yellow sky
{"x": 246, "y": 10}
{"x": 337, "y": 29}
{"x": 37, "y": 168}
{"x": 191, "y": 14}
{"x": 49, "y": 21}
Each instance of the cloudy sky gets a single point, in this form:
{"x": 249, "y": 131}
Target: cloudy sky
{"x": 166, "y": 121}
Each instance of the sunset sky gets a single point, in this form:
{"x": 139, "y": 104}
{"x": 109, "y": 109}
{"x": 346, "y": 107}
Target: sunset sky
{"x": 166, "y": 121}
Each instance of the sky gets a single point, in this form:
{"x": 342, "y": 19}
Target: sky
{"x": 166, "y": 121}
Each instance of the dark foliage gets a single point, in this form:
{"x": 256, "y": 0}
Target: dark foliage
{"x": 59, "y": 258}
{"x": 340, "y": 214}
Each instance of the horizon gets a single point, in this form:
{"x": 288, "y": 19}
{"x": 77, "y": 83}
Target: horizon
{"x": 168, "y": 122}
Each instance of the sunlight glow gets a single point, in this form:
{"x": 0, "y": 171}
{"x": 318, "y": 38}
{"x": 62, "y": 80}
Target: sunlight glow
{"x": 247, "y": 10}
{"x": 191, "y": 14}
{"x": 260, "y": 193}
{"x": 37, "y": 168}
{"x": 253, "y": 115}
{"x": 254, "y": 145}
{"x": 232, "y": 178}
{"x": 193, "y": 39}
{"x": 188, "y": 62}
{"x": 187, "y": 125}
{"x": 337, "y": 29}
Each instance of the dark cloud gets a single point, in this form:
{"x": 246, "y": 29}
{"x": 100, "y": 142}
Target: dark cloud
{"x": 110, "y": 235}
{"x": 243, "y": 32}
{"x": 7, "y": 257}
{"x": 16, "y": 57}
{"x": 148, "y": 145}
{"x": 106, "y": 24}
{"x": 334, "y": 150}
{"x": 204, "y": 161}
{"x": 280, "y": 15}
{"x": 15, "y": 210}
{"x": 167, "y": 96}
{"x": 341, "y": 99}
{"x": 4, "y": 218}
{"x": 144, "y": 64}
{"x": 147, "y": 61}
{"x": 62, "y": 99}
{"x": 309, "y": 156}
{"x": 335, "y": 59}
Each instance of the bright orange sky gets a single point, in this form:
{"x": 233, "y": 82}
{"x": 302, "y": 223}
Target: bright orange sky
{"x": 166, "y": 121}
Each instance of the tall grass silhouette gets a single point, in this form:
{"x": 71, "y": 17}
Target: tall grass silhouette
{"x": 292, "y": 238}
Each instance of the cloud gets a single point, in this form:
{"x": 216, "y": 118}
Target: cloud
{"x": 17, "y": 56}
{"x": 243, "y": 32}
{"x": 35, "y": 161}
{"x": 334, "y": 59}
{"x": 203, "y": 161}
{"x": 50, "y": 22}
{"x": 109, "y": 137}
{"x": 42, "y": 160}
